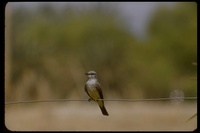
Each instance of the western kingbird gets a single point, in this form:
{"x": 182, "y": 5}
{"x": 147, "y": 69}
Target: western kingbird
{"x": 94, "y": 91}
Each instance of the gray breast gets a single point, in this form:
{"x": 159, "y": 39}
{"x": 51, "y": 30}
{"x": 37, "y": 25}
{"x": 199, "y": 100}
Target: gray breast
{"x": 91, "y": 83}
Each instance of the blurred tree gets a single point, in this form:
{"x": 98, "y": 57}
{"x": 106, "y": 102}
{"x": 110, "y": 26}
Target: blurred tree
{"x": 52, "y": 50}
{"x": 175, "y": 32}
{"x": 57, "y": 51}
{"x": 172, "y": 46}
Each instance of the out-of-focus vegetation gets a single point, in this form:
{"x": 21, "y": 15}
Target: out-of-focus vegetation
{"x": 51, "y": 50}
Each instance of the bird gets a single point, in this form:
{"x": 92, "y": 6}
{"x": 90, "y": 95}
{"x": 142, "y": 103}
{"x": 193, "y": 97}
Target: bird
{"x": 94, "y": 91}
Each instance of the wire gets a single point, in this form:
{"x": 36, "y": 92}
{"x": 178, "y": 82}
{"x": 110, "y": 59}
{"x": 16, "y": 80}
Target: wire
{"x": 122, "y": 100}
{"x": 191, "y": 117}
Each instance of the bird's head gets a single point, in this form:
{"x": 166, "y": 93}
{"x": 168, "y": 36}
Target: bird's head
{"x": 91, "y": 74}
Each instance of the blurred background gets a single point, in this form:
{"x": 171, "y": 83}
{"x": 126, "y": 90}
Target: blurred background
{"x": 138, "y": 49}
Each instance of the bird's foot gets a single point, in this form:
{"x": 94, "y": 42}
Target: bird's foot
{"x": 89, "y": 99}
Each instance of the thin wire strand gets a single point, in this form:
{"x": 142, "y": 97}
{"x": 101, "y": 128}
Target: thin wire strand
{"x": 191, "y": 117}
{"x": 122, "y": 100}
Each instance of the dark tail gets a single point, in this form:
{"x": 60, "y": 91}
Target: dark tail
{"x": 103, "y": 110}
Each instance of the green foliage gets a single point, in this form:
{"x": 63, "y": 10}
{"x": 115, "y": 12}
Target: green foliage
{"x": 59, "y": 47}
{"x": 175, "y": 32}
{"x": 173, "y": 41}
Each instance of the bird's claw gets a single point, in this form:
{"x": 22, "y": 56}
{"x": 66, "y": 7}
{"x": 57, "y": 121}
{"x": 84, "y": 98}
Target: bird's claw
{"x": 89, "y": 99}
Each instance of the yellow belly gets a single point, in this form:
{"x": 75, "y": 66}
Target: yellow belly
{"x": 94, "y": 93}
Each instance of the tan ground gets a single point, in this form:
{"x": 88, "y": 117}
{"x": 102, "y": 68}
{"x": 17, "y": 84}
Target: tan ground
{"x": 76, "y": 116}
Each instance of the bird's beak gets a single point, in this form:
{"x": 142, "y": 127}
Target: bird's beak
{"x": 86, "y": 73}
